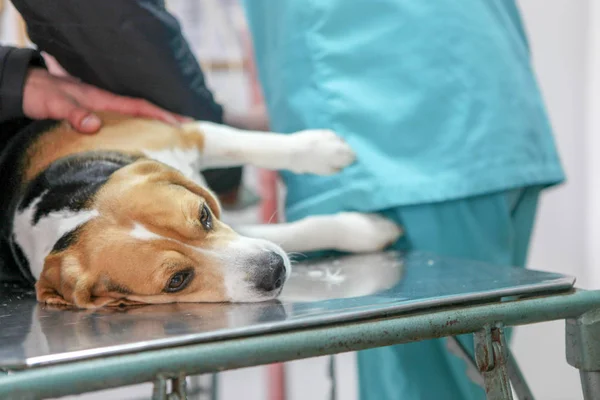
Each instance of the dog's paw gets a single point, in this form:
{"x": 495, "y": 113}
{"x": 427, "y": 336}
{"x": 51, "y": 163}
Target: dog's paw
{"x": 363, "y": 233}
{"x": 319, "y": 151}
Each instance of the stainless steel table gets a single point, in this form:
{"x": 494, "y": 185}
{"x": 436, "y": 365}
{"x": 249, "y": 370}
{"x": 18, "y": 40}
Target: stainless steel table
{"x": 329, "y": 306}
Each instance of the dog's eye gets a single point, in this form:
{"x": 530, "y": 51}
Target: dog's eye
{"x": 179, "y": 281}
{"x": 206, "y": 218}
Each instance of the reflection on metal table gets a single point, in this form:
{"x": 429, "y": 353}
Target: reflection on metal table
{"x": 328, "y": 306}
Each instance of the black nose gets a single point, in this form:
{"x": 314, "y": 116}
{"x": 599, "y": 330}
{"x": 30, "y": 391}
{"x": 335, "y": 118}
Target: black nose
{"x": 272, "y": 272}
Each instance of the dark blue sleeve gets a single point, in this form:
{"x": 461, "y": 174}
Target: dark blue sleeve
{"x": 132, "y": 48}
{"x": 14, "y": 64}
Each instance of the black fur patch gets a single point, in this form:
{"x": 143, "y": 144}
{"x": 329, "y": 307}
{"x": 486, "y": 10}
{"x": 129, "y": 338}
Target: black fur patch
{"x": 17, "y": 137}
{"x": 72, "y": 182}
{"x": 67, "y": 239}
{"x": 12, "y": 163}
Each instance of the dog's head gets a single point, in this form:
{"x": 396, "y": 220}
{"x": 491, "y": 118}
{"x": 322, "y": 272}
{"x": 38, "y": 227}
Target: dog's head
{"x": 157, "y": 238}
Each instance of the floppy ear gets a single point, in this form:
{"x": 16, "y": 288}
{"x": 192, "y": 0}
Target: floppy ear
{"x": 63, "y": 282}
{"x": 211, "y": 198}
{"x": 213, "y": 203}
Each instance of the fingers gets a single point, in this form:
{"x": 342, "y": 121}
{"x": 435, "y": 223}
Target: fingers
{"x": 80, "y": 118}
{"x": 67, "y": 98}
{"x": 100, "y": 100}
{"x": 182, "y": 118}
{"x": 69, "y": 79}
{"x": 145, "y": 109}
{"x": 84, "y": 121}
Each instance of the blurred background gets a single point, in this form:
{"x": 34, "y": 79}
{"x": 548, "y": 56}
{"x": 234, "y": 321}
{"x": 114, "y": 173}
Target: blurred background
{"x": 565, "y": 41}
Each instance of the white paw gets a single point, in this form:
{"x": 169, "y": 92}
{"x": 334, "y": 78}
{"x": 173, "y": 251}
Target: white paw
{"x": 362, "y": 233}
{"x": 319, "y": 151}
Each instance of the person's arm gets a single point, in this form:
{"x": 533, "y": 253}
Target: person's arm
{"x": 133, "y": 48}
{"x": 28, "y": 90}
{"x": 47, "y": 96}
{"x": 14, "y": 66}
{"x": 129, "y": 47}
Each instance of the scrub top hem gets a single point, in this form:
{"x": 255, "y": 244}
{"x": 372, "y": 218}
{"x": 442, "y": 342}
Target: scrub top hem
{"x": 382, "y": 196}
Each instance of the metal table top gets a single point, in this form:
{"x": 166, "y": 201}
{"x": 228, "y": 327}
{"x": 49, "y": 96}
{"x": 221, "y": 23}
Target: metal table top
{"x": 319, "y": 292}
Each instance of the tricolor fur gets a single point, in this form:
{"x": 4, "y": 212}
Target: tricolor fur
{"x": 124, "y": 216}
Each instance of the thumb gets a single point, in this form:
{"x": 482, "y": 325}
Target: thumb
{"x": 80, "y": 118}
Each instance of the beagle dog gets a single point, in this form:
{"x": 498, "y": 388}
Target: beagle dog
{"x": 124, "y": 216}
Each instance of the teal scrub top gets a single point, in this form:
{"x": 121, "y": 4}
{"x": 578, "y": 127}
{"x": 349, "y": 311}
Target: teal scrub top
{"x": 438, "y": 98}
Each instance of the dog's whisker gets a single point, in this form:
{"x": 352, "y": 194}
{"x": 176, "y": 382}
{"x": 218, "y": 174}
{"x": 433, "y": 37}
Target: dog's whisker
{"x": 293, "y": 256}
{"x": 272, "y": 216}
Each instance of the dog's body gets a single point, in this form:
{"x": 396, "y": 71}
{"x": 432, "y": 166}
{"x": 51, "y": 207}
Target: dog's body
{"x": 124, "y": 216}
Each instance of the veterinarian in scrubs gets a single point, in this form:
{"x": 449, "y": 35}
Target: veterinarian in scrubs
{"x": 440, "y": 102}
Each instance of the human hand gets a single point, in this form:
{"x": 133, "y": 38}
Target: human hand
{"x": 64, "y": 97}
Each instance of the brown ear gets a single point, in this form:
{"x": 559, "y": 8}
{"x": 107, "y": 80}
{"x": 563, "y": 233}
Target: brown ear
{"x": 211, "y": 198}
{"x": 213, "y": 203}
{"x": 63, "y": 282}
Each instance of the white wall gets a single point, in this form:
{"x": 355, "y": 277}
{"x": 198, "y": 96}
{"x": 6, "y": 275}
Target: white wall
{"x": 9, "y": 27}
{"x": 558, "y": 31}
{"x": 593, "y": 145}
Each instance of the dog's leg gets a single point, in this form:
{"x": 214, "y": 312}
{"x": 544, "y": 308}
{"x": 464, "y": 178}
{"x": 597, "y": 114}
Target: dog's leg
{"x": 313, "y": 151}
{"x": 349, "y": 231}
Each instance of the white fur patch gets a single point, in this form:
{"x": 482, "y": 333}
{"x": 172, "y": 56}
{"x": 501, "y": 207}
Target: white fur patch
{"x": 347, "y": 231}
{"x": 37, "y": 240}
{"x": 139, "y": 231}
{"x": 187, "y": 161}
{"x": 316, "y": 151}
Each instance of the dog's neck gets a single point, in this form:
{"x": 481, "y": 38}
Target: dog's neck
{"x": 56, "y": 202}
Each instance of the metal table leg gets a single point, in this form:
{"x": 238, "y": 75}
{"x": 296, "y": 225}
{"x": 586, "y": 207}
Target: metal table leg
{"x": 214, "y": 386}
{"x": 178, "y": 388}
{"x": 583, "y": 351}
{"x": 590, "y": 383}
{"x": 332, "y": 379}
{"x": 491, "y": 356}
{"x": 203, "y": 387}
{"x": 159, "y": 392}
{"x": 515, "y": 375}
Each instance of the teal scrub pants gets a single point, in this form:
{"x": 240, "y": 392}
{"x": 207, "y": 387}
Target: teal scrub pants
{"x": 494, "y": 228}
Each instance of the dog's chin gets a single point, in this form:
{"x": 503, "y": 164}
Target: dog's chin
{"x": 253, "y": 295}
